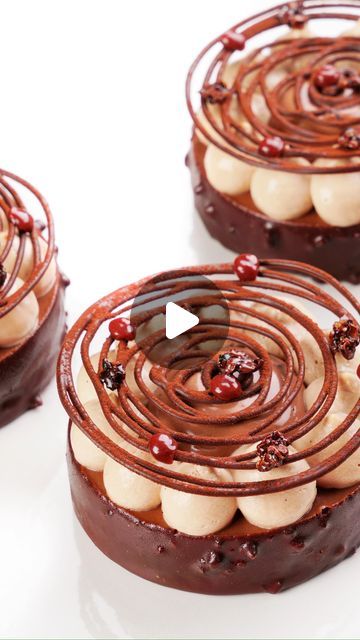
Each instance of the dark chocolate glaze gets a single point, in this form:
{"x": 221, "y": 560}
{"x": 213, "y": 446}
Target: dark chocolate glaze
{"x": 239, "y": 559}
{"x": 27, "y": 369}
{"x": 239, "y": 226}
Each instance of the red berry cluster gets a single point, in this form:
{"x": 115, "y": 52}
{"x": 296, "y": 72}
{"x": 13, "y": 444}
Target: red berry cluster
{"x": 273, "y": 451}
{"x": 272, "y": 147}
{"x": 163, "y": 447}
{"x": 21, "y": 219}
{"x": 345, "y": 337}
{"x": 332, "y": 81}
{"x": 122, "y": 329}
{"x": 246, "y": 267}
{"x": 215, "y": 93}
{"x": 233, "y": 41}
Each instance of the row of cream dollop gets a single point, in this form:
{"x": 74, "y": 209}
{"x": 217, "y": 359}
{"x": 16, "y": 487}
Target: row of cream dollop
{"x": 19, "y": 323}
{"x": 198, "y": 515}
{"x": 280, "y": 195}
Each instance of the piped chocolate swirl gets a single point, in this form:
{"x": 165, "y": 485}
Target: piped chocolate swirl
{"x": 308, "y": 86}
{"x": 151, "y": 401}
{"x": 22, "y": 240}
{"x": 32, "y": 317}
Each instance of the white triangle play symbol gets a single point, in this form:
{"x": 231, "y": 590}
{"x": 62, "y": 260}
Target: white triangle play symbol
{"x": 178, "y": 320}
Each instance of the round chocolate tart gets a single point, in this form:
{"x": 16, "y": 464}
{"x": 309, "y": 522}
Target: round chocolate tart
{"x": 32, "y": 316}
{"x": 275, "y": 153}
{"x": 227, "y": 462}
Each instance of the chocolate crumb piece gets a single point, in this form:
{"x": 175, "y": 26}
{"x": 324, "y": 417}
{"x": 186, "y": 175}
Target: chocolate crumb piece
{"x": 345, "y": 337}
{"x": 273, "y": 451}
{"x": 239, "y": 364}
{"x": 350, "y": 139}
{"x": 3, "y": 275}
{"x": 112, "y": 374}
{"x": 215, "y": 93}
{"x": 211, "y": 560}
{"x": 292, "y": 14}
{"x": 235, "y": 361}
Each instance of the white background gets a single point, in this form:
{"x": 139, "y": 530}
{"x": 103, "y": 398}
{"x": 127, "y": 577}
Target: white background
{"x": 93, "y": 113}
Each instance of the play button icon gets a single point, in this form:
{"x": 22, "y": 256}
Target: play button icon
{"x": 179, "y": 317}
{"x": 178, "y": 320}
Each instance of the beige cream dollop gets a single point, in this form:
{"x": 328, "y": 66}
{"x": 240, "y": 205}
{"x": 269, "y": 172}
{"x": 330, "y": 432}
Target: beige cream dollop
{"x": 226, "y": 173}
{"x": 347, "y": 473}
{"x": 336, "y": 197}
{"x": 193, "y": 514}
{"x": 273, "y": 510}
{"x": 207, "y": 126}
{"x": 128, "y": 489}
{"x": 348, "y": 391}
{"x": 281, "y": 195}
{"x": 48, "y": 279}
{"x": 19, "y": 323}
{"x": 85, "y": 451}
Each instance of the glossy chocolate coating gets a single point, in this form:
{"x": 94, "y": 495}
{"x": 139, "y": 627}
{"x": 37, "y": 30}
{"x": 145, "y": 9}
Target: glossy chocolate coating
{"x": 239, "y": 559}
{"x": 239, "y": 226}
{"x": 27, "y": 369}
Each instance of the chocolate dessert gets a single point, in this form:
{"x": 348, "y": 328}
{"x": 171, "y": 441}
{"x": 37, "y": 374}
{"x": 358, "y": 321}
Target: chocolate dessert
{"x": 275, "y": 153}
{"x": 230, "y": 462}
{"x": 32, "y": 317}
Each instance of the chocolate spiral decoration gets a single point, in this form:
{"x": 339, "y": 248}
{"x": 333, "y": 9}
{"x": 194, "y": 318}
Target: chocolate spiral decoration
{"x": 312, "y": 122}
{"x": 11, "y": 202}
{"x": 136, "y": 421}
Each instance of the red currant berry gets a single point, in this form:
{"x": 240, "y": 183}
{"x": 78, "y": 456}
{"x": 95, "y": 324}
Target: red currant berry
{"x": 233, "y": 41}
{"x": 225, "y": 387}
{"x": 163, "y": 447}
{"x": 21, "y": 219}
{"x": 246, "y": 267}
{"x": 327, "y": 76}
{"x": 358, "y": 371}
{"x": 122, "y": 329}
{"x": 272, "y": 147}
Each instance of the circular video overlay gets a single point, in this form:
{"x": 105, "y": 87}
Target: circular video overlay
{"x": 180, "y": 321}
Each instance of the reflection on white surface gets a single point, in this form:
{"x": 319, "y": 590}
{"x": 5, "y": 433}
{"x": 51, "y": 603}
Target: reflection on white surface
{"x": 113, "y": 602}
